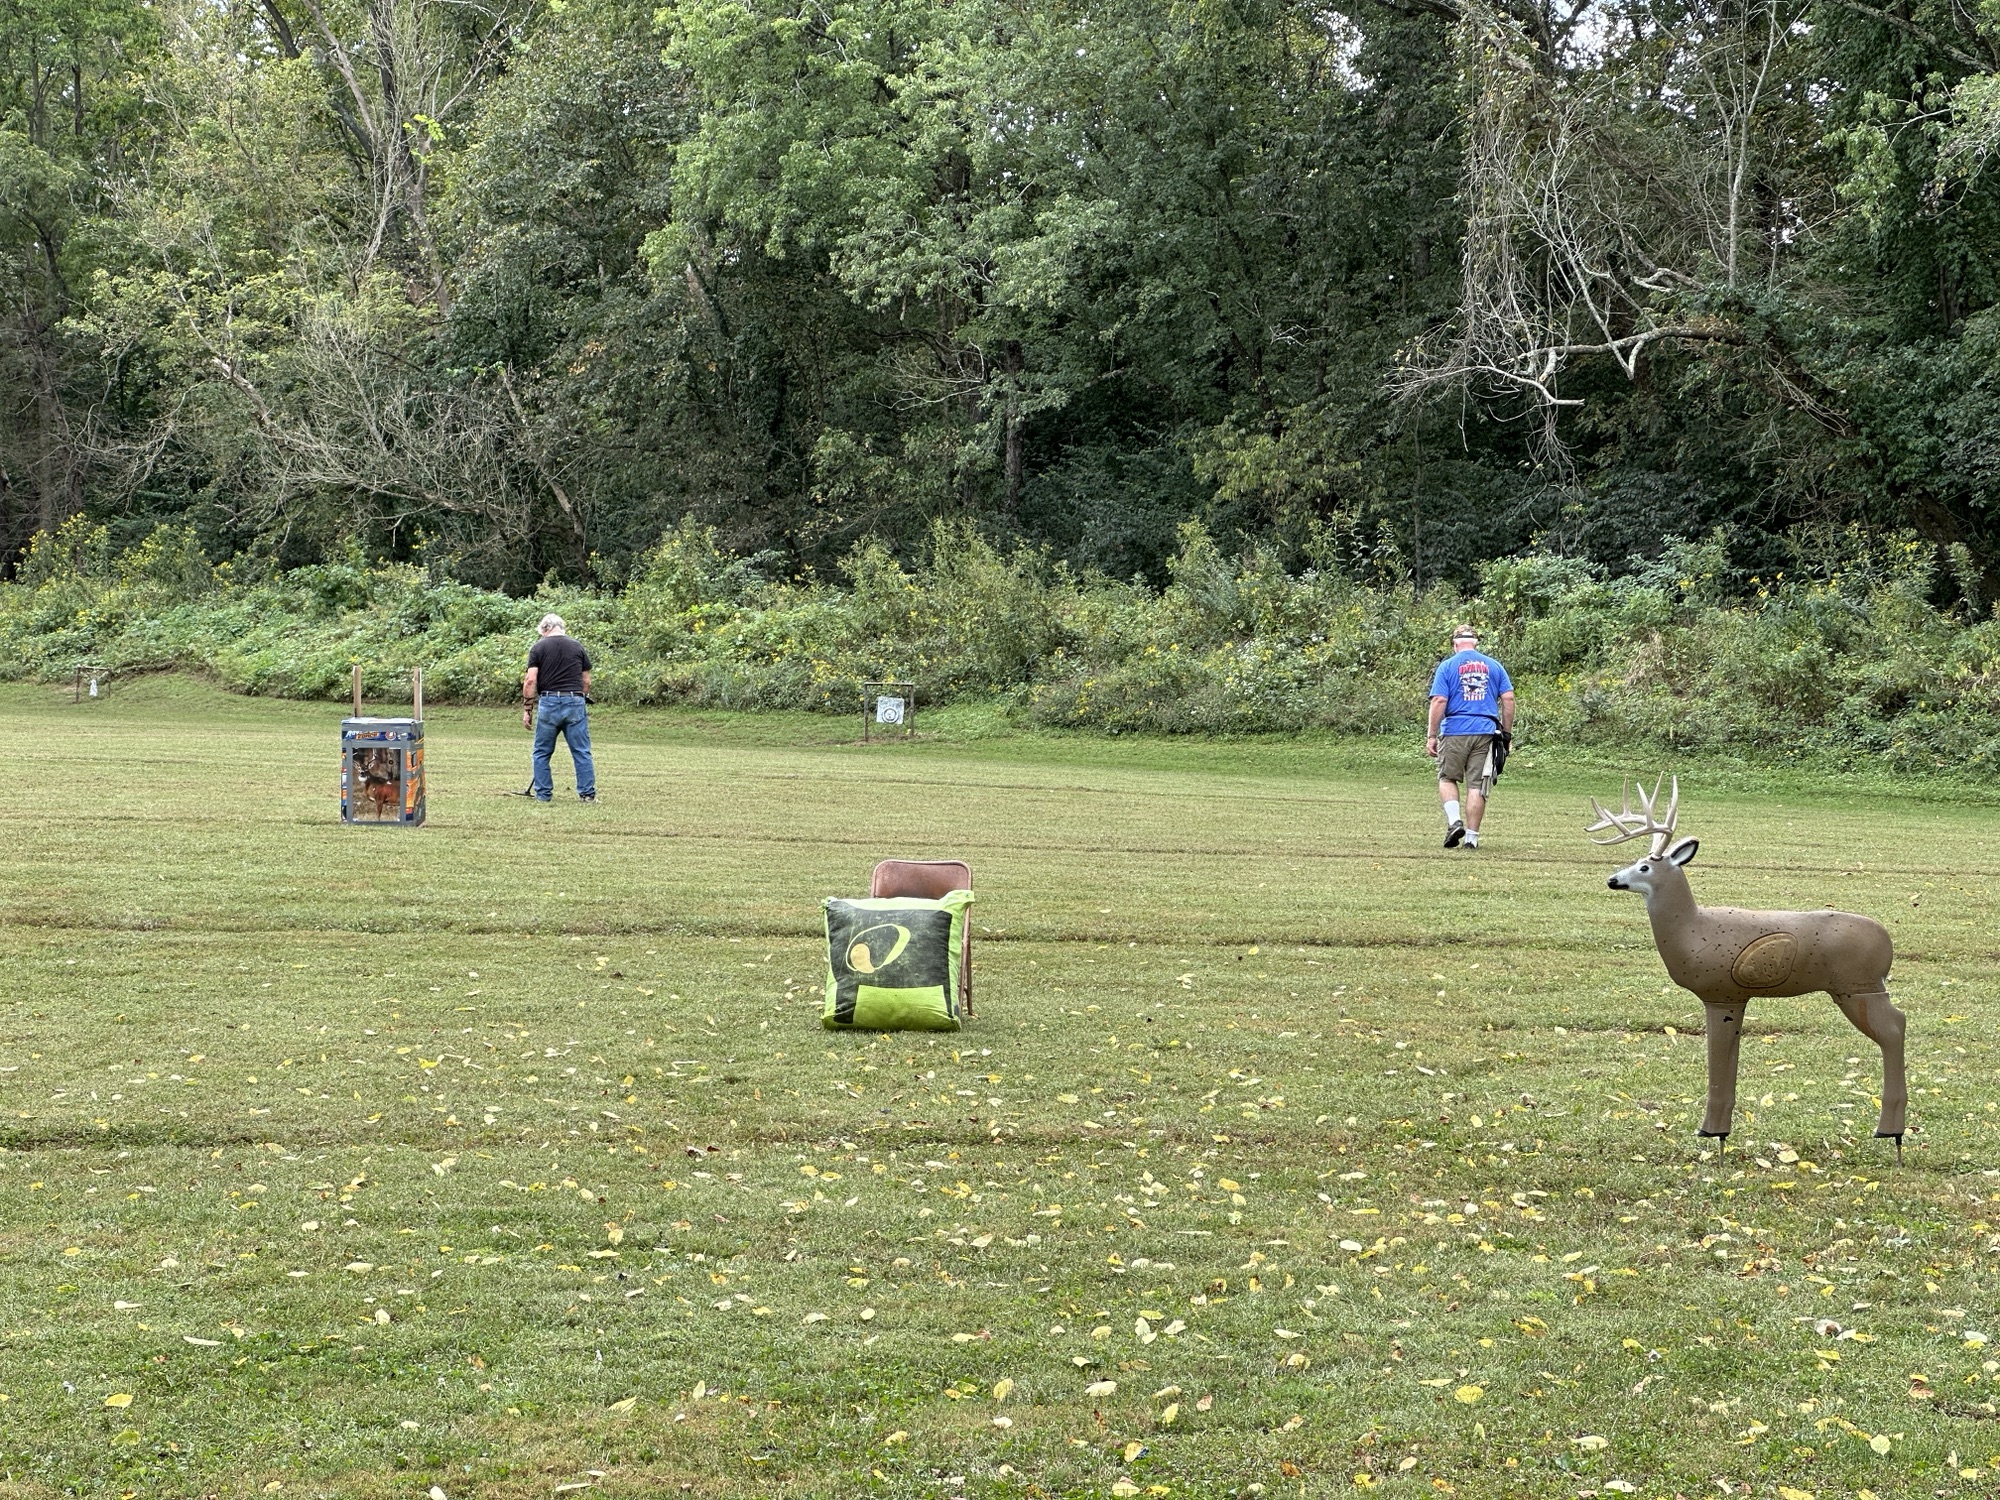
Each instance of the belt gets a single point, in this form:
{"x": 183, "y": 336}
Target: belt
{"x": 577, "y": 696}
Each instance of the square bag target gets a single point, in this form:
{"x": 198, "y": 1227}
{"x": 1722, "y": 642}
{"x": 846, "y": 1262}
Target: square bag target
{"x": 892, "y": 963}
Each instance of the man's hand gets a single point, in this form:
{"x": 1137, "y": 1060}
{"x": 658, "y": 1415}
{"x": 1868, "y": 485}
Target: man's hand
{"x": 527, "y": 716}
{"x": 1431, "y": 747}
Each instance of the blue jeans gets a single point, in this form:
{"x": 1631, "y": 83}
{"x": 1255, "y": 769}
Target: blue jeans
{"x": 564, "y": 714}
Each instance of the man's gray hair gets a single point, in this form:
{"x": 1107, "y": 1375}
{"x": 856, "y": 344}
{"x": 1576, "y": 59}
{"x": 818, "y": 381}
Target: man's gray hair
{"x": 553, "y": 625}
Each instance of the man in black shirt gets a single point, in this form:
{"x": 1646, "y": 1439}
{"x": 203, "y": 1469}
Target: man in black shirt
{"x": 553, "y": 696}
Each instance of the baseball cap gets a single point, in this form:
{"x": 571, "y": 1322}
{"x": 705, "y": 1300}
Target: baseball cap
{"x": 1465, "y": 633}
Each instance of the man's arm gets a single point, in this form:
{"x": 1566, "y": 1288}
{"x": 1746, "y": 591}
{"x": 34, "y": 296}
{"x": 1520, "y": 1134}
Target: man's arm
{"x": 1506, "y": 711}
{"x": 1437, "y": 719}
{"x": 529, "y": 684}
{"x": 586, "y": 682}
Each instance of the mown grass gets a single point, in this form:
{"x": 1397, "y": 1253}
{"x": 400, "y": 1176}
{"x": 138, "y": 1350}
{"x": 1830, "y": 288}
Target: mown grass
{"x": 1390, "y": 1150}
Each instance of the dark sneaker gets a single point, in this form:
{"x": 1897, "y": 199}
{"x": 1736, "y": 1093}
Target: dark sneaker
{"x": 1453, "y": 834}
{"x": 586, "y": 796}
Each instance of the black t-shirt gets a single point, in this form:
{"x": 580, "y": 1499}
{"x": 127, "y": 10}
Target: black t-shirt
{"x": 561, "y": 663}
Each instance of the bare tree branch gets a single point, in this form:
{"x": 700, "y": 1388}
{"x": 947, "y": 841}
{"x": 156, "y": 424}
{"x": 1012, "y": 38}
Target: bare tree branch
{"x": 1595, "y": 230}
{"x": 1929, "y": 38}
{"x": 532, "y": 444}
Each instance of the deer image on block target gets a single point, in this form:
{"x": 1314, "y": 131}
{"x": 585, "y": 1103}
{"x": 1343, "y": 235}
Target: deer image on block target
{"x": 1727, "y": 957}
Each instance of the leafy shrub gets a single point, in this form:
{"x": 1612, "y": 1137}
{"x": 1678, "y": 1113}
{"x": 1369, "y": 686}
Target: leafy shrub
{"x": 1849, "y": 655}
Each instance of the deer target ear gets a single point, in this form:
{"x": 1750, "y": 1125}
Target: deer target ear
{"x": 1683, "y": 852}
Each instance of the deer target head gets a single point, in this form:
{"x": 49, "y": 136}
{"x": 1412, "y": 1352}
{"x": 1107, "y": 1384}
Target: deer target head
{"x": 1650, "y": 873}
{"x": 1665, "y": 858}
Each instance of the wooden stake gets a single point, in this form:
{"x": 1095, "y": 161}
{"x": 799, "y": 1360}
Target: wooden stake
{"x": 417, "y": 694}
{"x": 357, "y": 690}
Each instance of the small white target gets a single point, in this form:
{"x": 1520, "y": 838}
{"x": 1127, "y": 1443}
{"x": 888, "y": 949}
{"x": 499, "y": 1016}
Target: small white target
{"x": 888, "y": 710}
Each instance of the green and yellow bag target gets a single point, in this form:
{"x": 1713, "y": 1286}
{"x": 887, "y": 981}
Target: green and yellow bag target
{"x": 892, "y": 962}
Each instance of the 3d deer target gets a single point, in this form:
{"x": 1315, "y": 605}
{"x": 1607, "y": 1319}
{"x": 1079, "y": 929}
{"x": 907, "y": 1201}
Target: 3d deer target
{"x": 1727, "y": 957}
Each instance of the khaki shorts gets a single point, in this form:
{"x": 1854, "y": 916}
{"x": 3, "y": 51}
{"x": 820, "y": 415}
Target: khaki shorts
{"x": 1467, "y": 758}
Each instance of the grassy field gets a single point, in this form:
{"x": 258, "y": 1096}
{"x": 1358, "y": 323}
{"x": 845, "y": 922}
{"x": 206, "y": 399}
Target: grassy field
{"x": 1289, "y": 1154}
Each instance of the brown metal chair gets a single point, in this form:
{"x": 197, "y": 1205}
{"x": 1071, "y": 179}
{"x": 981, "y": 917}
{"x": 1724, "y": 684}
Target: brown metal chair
{"x": 927, "y": 880}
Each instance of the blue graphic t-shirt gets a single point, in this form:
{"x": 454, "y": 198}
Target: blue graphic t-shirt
{"x": 1471, "y": 685}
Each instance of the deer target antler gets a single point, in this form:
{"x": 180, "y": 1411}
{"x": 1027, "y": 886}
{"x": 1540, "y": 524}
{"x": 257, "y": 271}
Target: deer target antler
{"x": 1640, "y": 824}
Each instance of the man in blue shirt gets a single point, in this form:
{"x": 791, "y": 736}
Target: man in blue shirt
{"x": 1472, "y": 712}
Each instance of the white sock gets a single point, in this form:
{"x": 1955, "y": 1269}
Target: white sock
{"x": 1451, "y": 812}
{"x": 1471, "y": 839}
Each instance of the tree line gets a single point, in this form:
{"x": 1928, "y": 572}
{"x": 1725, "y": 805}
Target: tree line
{"x": 508, "y": 288}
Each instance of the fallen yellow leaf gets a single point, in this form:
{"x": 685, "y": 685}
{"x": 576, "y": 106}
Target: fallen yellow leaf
{"x": 1468, "y": 1393}
{"x": 120, "y": 1401}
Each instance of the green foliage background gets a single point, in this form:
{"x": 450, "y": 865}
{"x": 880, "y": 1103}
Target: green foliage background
{"x": 546, "y": 277}
{"x": 1843, "y": 655}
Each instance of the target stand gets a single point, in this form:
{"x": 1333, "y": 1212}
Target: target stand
{"x": 889, "y": 709}
{"x": 88, "y": 682}
{"x": 382, "y": 763}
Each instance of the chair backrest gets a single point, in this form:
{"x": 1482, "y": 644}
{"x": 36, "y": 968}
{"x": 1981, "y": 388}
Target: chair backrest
{"x": 926, "y": 879}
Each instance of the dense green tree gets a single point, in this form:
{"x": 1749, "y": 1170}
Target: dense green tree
{"x": 73, "y": 115}
{"x": 511, "y": 287}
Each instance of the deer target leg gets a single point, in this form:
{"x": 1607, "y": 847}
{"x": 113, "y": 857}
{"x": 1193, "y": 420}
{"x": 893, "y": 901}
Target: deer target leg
{"x": 1877, "y": 1018}
{"x": 1725, "y": 1038}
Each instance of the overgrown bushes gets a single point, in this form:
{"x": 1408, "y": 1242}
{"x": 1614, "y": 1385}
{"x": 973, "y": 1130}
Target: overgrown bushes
{"x": 1847, "y": 654}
